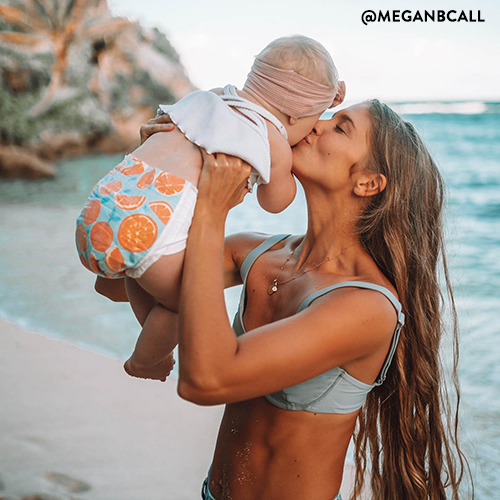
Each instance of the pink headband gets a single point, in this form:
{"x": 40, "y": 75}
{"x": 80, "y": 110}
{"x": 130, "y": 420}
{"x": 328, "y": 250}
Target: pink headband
{"x": 291, "y": 93}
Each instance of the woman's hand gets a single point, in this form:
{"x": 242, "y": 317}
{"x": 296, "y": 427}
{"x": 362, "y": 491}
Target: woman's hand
{"x": 223, "y": 183}
{"x": 162, "y": 123}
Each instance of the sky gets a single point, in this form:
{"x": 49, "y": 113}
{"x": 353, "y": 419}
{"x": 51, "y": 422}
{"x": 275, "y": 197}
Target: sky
{"x": 218, "y": 39}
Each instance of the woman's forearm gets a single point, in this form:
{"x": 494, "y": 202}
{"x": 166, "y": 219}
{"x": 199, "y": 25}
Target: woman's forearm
{"x": 207, "y": 343}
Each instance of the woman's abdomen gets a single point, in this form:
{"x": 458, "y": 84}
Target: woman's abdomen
{"x": 275, "y": 453}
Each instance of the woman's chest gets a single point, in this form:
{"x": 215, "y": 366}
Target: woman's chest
{"x": 270, "y": 295}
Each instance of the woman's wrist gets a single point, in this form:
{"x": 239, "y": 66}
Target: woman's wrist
{"x": 209, "y": 217}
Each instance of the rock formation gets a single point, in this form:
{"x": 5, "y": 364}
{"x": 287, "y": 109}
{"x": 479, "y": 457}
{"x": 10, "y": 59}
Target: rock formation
{"x": 77, "y": 80}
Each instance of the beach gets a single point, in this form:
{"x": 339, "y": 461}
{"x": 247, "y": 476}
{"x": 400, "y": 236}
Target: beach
{"x": 75, "y": 426}
{"x": 69, "y": 411}
{"x": 67, "y": 406}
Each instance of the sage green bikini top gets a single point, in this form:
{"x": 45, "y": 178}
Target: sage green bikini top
{"x": 334, "y": 391}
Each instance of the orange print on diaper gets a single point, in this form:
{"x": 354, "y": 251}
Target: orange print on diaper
{"x": 110, "y": 187}
{"x": 146, "y": 180}
{"x": 162, "y": 210}
{"x": 83, "y": 260}
{"x": 137, "y": 233}
{"x": 136, "y": 169}
{"x": 81, "y": 238}
{"x": 114, "y": 260}
{"x": 94, "y": 264}
{"x": 168, "y": 184}
{"x": 129, "y": 202}
{"x": 120, "y": 165}
{"x": 101, "y": 236}
{"x": 91, "y": 211}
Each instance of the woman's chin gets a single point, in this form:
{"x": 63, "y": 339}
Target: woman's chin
{"x": 298, "y": 147}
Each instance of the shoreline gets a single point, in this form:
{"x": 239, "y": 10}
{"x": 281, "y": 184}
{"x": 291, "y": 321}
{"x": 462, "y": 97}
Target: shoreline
{"x": 75, "y": 426}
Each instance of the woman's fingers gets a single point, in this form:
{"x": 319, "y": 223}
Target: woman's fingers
{"x": 161, "y": 123}
{"x": 152, "y": 128}
{"x": 208, "y": 159}
{"x": 223, "y": 182}
{"x": 226, "y": 161}
{"x": 229, "y": 161}
{"x": 222, "y": 159}
{"x": 163, "y": 118}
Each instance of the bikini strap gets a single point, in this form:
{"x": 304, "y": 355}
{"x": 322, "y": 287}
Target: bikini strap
{"x": 257, "y": 251}
{"x": 395, "y": 302}
{"x": 231, "y": 97}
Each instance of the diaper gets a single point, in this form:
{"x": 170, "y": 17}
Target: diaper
{"x": 133, "y": 216}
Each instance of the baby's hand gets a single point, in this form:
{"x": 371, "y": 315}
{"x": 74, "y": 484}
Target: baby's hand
{"x": 161, "y": 123}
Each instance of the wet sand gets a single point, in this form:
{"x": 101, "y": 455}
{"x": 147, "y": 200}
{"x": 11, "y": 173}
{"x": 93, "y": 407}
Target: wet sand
{"x": 74, "y": 425}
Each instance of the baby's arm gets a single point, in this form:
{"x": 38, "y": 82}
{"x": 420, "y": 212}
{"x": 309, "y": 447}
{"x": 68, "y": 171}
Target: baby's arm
{"x": 280, "y": 192}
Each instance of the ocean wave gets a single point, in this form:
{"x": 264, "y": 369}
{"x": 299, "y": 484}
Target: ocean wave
{"x": 460, "y": 108}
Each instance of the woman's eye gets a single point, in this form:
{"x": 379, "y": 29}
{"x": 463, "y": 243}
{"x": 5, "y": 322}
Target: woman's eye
{"x": 339, "y": 129}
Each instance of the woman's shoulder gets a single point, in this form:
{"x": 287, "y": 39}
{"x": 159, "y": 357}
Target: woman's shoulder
{"x": 239, "y": 245}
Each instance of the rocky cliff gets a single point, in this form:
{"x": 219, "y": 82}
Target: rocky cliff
{"x": 77, "y": 80}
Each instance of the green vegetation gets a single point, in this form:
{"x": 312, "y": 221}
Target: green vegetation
{"x": 71, "y": 67}
{"x": 16, "y": 126}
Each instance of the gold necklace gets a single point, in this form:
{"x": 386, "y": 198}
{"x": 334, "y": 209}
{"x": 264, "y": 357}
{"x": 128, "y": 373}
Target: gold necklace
{"x": 273, "y": 287}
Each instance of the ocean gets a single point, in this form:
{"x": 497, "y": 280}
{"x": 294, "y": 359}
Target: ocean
{"x": 44, "y": 287}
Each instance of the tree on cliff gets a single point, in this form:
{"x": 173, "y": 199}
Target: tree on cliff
{"x": 91, "y": 80}
{"x": 56, "y": 25}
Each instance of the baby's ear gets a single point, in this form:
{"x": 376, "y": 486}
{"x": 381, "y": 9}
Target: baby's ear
{"x": 339, "y": 98}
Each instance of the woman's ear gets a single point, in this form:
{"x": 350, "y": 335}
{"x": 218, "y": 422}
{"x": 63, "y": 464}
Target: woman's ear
{"x": 339, "y": 98}
{"x": 370, "y": 184}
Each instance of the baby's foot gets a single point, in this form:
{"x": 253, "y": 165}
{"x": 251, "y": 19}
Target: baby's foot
{"x": 159, "y": 371}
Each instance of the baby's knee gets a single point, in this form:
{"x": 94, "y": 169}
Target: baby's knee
{"x": 113, "y": 289}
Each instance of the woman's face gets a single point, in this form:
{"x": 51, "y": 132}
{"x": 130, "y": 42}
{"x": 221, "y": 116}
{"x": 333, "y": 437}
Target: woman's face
{"x": 329, "y": 153}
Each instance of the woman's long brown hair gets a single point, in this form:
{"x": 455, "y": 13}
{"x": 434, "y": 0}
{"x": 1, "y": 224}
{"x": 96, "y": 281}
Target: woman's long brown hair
{"x": 407, "y": 432}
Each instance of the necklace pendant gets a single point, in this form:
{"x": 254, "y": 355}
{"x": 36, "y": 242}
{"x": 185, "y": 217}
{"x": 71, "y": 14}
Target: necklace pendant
{"x": 273, "y": 287}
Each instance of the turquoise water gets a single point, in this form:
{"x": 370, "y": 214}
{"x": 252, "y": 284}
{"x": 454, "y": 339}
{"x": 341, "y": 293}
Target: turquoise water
{"x": 45, "y": 288}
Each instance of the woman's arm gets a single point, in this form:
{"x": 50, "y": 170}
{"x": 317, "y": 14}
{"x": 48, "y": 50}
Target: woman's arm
{"x": 216, "y": 367}
{"x": 236, "y": 247}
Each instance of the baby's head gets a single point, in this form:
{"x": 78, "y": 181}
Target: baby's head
{"x": 295, "y": 75}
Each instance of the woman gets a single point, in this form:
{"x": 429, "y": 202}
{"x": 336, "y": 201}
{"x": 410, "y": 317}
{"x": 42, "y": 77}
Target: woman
{"x": 310, "y": 360}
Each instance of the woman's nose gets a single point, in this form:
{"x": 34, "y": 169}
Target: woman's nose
{"x": 319, "y": 128}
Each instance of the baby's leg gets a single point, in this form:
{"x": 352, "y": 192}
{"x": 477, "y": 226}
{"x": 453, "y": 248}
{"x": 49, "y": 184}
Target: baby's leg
{"x": 141, "y": 301}
{"x": 113, "y": 289}
{"x": 151, "y": 296}
{"x": 152, "y": 357}
{"x": 162, "y": 280}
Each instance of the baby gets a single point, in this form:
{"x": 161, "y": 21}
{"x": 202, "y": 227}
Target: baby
{"x": 136, "y": 220}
